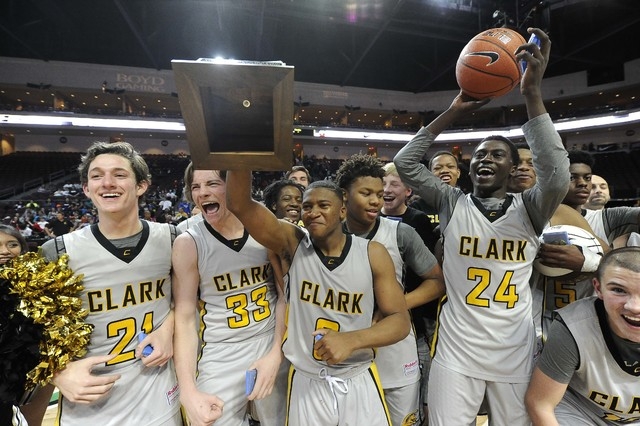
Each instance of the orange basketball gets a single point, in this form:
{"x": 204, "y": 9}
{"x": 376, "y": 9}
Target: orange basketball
{"x": 487, "y": 66}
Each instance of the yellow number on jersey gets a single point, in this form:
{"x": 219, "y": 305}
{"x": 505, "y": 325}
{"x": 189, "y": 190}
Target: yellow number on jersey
{"x": 565, "y": 293}
{"x": 239, "y": 303}
{"x": 128, "y": 329}
{"x": 324, "y": 323}
{"x": 475, "y": 295}
{"x": 506, "y": 292}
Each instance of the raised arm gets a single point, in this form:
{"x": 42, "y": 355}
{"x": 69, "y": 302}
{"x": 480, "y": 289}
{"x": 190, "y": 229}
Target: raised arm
{"x": 407, "y": 161}
{"x": 550, "y": 158}
{"x": 278, "y": 235}
{"x": 537, "y": 60}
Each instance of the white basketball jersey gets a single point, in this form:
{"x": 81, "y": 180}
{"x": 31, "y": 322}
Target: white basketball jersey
{"x": 398, "y": 363}
{"x": 485, "y": 328}
{"x": 236, "y": 286}
{"x": 600, "y": 383}
{"x": 558, "y": 293}
{"x": 596, "y": 222}
{"x": 190, "y": 222}
{"x": 340, "y": 299}
{"x": 125, "y": 292}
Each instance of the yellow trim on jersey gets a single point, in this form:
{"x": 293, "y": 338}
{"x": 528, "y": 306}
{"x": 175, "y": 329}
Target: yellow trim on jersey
{"x": 289, "y": 383}
{"x": 373, "y": 370}
{"x": 433, "y": 343}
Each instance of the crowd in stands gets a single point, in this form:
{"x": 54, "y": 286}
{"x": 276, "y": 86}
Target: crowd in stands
{"x": 164, "y": 201}
{"x": 54, "y": 204}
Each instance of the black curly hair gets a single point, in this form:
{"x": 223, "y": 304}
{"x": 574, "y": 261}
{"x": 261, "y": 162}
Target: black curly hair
{"x": 356, "y": 166}
{"x": 581, "y": 157}
{"x": 515, "y": 156}
{"x": 272, "y": 191}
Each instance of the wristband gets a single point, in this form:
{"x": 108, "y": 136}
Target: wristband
{"x": 591, "y": 261}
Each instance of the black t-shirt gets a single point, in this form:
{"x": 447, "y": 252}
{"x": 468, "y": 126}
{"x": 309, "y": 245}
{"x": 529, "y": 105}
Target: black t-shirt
{"x": 60, "y": 227}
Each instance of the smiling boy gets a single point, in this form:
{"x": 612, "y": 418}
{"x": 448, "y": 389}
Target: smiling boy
{"x": 588, "y": 372}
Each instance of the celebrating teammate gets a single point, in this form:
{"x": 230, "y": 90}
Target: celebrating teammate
{"x": 284, "y": 198}
{"x": 609, "y": 223}
{"x": 334, "y": 282}
{"x": 361, "y": 177}
{"x": 550, "y": 293}
{"x": 217, "y": 262}
{"x": 485, "y": 341}
{"x": 588, "y": 374}
{"x": 126, "y": 263}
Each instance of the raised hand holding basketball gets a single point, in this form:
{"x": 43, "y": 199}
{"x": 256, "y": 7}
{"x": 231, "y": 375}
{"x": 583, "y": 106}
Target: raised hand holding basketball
{"x": 536, "y": 58}
{"x": 487, "y": 66}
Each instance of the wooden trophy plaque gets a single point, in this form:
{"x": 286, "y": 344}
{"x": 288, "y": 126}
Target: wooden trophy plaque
{"x": 237, "y": 114}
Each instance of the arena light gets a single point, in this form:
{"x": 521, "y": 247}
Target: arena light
{"x": 89, "y": 122}
{"x": 176, "y": 125}
{"x": 469, "y": 135}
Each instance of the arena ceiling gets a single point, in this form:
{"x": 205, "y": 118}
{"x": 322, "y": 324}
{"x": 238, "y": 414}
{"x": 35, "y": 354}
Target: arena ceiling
{"x": 404, "y": 45}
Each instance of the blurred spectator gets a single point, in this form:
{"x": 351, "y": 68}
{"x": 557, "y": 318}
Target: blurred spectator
{"x": 180, "y": 215}
{"x": 25, "y": 229}
{"x": 59, "y": 226}
{"x": 299, "y": 174}
{"x": 166, "y": 204}
{"x": 599, "y": 196}
{"x": 85, "y": 220}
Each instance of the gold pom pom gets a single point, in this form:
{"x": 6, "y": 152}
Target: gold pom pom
{"x": 49, "y": 295}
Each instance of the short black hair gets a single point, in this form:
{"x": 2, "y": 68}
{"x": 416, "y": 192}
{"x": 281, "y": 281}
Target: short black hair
{"x": 327, "y": 184}
{"x": 272, "y": 191}
{"x": 515, "y": 157}
{"x": 440, "y": 153}
{"x": 581, "y": 157}
{"x": 357, "y": 166}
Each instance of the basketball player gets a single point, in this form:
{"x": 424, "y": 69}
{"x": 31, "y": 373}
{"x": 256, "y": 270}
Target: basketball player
{"x": 599, "y": 196}
{"x": 219, "y": 264}
{"x": 334, "y": 281}
{"x": 485, "y": 339}
{"x": 190, "y": 222}
{"x": 126, "y": 263}
{"x": 609, "y": 223}
{"x": 443, "y": 165}
{"x": 551, "y": 293}
{"x": 395, "y": 206}
{"x": 361, "y": 177}
{"x": 525, "y": 175}
{"x": 284, "y": 198}
{"x": 588, "y": 374}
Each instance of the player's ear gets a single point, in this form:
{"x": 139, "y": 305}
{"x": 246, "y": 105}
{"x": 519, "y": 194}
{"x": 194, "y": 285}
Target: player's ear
{"x": 142, "y": 187}
{"x": 597, "y": 287}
